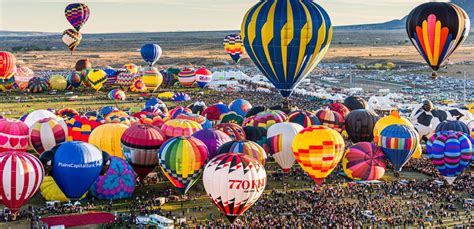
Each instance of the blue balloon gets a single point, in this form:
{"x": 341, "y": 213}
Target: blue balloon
{"x": 117, "y": 183}
{"x": 286, "y": 40}
{"x": 110, "y": 71}
{"x": 399, "y": 143}
{"x": 76, "y": 166}
{"x": 151, "y": 53}
{"x": 104, "y": 111}
{"x": 152, "y": 102}
{"x": 240, "y": 106}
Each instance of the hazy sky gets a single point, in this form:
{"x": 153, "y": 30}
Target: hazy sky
{"x": 178, "y": 15}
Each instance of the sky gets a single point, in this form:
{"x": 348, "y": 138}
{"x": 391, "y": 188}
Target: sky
{"x": 109, "y": 16}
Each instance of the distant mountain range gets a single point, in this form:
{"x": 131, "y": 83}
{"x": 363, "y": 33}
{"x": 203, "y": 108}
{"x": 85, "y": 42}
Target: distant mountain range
{"x": 467, "y": 5}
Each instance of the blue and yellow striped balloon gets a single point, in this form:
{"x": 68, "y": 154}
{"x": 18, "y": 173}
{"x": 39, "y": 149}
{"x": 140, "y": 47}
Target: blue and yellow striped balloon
{"x": 286, "y": 39}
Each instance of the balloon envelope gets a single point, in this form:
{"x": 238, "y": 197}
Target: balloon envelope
{"x": 117, "y": 183}
{"x": 151, "y": 53}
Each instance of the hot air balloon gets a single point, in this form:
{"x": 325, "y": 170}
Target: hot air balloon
{"x": 151, "y": 53}
{"x": 179, "y": 110}
{"x": 254, "y": 110}
{"x": 244, "y": 147}
{"x": 205, "y": 124}
{"x": 180, "y": 97}
{"x": 13, "y": 135}
{"x": 355, "y": 103}
{"x": 318, "y": 149}
{"x": 51, "y": 192}
{"x": 213, "y": 139}
{"x": 234, "y": 46}
{"x": 131, "y": 68}
{"x": 340, "y": 108}
{"x": 359, "y": 125}
{"x": 266, "y": 119}
{"x": 234, "y": 182}
{"x": 437, "y": 29}
{"x": 425, "y": 118}
{"x": 140, "y": 145}
{"x": 125, "y": 79}
{"x": 399, "y": 143}
{"x": 234, "y": 131}
{"x": 450, "y": 152}
{"x": 457, "y": 126}
{"x": 203, "y": 77}
{"x": 117, "y": 94}
{"x": 58, "y": 82}
{"x": 83, "y": 64}
{"x": 303, "y": 118}
{"x": 81, "y": 126}
{"x": 331, "y": 119}
{"x": 111, "y": 76}
{"x": 37, "y": 85}
{"x": 182, "y": 160}
{"x": 22, "y": 174}
{"x": 214, "y": 112}
{"x": 240, "y": 106}
{"x": 77, "y": 14}
{"x": 67, "y": 113}
{"x": 258, "y": 135}
{"x": 280, "y": 139}
{"x": 231, "y": 117}
{"x": 117, "y": 183}
{"x": 38, "y": 115}
{"x": 74, "y": 79}
{"x": 393, "y": 118}
{"x": 180, "y": 127}
{"x": 7, "y": 65}
{"x": 96, "y": 79}
{"x": 286, "y": 40}
{"x": 22, "y": 76}
{"x": 152, "y": 79}
{"x": 75, "y": 166}
{"x": 71, "y": 39}
{"x": 187, "y": 77}
{"x": 364, "y": 161}
{"x": 107, "y": 138}
{"x": 138, "y": 85}
{"x": 46, "y": 133}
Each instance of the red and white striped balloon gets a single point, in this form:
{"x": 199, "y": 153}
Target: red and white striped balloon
{"x": 22, "y": 175}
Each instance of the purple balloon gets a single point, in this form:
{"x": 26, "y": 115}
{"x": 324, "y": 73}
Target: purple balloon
{"x": 213, "y": 139}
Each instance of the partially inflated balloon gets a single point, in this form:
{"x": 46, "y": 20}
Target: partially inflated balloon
{"x": 71, "y": 39}
{"x": 244, "y": 147}
{"x": 234, "y": 46}
{"x": 13, "y": 135}
{"x": 286, "y": 39}
{"x": 437, "y": 29}
{"x": 74, "y": 79}
{"x": 303, "y": 118}
{"x": 117, "y": 183}
{"x": 359, "y": 125}
{"x": 58, "y": 82}
{"x": 37, "y": 85}
{"x": 182, "y": 161}
{"x": 47, "y": 133}
{"x": 138, "y": 85}
{"x": 180, "y": 128}
{"x": 107, "y": 138}
{"x": 7, "y": 65}
{"x": 22, "y": 76}
{"x": 318, "y": 149}
{"x": 151, "y": 53}
{"x": 187, "y": 77}
{"x": 77, "y": 14}
{"x": 83, "y": 64}
{"x": 213, "y": 139}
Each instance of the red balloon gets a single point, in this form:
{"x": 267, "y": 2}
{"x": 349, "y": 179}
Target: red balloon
{"x": 7, "y": 65}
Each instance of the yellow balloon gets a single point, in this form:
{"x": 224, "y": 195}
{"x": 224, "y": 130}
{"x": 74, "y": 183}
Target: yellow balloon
{"x": 470, "y": 107}
{"x": 107, "y": 138}
{"x": 58, "y": 82}
{"x": 152, "y": 79}
{"x": 51, "y": 191}
{"x": 393, "y": 118}
{"x": 97, "y": 78}
{"x": 418, "y": 152}
{"x": 165, "y": 95}
{"x": 318, "y": 149}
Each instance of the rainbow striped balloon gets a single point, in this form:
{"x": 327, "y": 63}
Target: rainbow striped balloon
{"x": 331, "y": 119}
{"x": 303, "y": 118}
{"x": 46, "y": 133}
{"x": 450, "y": 152}
{"x": 245, "y": 147}
{"x": 182, "y": 161}
{"x": 266, "y": 119}
{"x": 187, "y": 77}
{"x": 180, "y": 128}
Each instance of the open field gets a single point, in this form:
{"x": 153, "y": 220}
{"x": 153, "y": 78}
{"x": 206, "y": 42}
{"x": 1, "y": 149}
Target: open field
{"x": 205, "y": 49}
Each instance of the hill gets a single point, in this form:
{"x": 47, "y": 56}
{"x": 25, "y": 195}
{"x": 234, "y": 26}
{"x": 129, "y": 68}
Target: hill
{"x": 467, "y": 5}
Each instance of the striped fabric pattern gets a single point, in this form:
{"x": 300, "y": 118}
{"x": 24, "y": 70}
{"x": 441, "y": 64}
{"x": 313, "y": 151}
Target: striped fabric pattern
{"x": 46, "y": 133}
{"x": 286, "y": 39}
{"x": 399, "y": 143}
